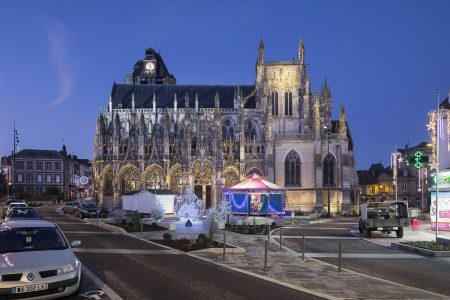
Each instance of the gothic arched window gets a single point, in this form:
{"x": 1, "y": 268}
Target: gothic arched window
{"x": 292, "y": 169}
{"x": 274, "y": 103}
{"x": 250, "y": 130}
{"x": 227, "y": 130}
{"x": 288, "y": 103}
{"x": 328, "y": 169}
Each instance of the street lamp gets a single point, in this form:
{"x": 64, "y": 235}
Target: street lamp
{"x": 328, "y": 168}
{"x": 13, "y": 167}
{"x": 395, "y": 159}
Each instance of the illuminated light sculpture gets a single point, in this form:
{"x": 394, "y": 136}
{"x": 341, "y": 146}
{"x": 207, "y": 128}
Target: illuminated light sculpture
{"x": 255, "y": 196}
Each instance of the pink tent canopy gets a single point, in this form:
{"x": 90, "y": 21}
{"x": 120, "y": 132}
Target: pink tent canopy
{"x": 255, "y": 182}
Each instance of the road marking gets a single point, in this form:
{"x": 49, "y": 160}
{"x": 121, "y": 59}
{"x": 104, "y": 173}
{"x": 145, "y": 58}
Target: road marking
{"x": 279, "y": 282}
{"x": 72, "y": 223}
{"x": 362, "y": 274}
{"x": 90, "y": 232}
{"x": 362, "y": 255}
{"x": 317, "y": 237}
{"x": 123, "y": 251}
{"x": 100, "y": 284}
{"x": 315, "y": 228}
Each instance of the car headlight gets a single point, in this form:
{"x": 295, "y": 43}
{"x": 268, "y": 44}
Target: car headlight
{"x": 68, "y": 268}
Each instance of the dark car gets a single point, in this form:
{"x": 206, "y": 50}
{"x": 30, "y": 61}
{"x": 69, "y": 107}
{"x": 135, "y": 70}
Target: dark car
{"x": 69, "y": 207}
{"x": 7, "y": 203}
{"x": 86, "y": 210}
{"x": 22, "y": 213}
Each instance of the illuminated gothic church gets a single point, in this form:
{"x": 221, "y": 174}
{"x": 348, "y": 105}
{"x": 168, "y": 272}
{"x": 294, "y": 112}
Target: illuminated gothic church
{"x": 156, "y": 134}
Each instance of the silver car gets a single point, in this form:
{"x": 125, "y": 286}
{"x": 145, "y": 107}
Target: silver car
{"x": 36, "y": 261}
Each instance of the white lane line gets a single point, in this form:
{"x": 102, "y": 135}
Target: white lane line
{"x": 72, "y": 223}
{"x": 317, "y": 237}
{"x": 90, "y": 232}
{"x": 100, "y": 284}
{"x": 314, "y": 228}
{"x": 122, "y": 251}
{"x": 362, "y": 255}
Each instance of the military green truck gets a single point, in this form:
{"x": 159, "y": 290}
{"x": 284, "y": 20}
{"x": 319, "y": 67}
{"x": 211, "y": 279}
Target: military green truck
{"x": 385, "y": 216}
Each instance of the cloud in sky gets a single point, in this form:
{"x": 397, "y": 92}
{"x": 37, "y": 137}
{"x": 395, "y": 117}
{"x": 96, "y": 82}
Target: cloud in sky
{"x": 58, "y": 41}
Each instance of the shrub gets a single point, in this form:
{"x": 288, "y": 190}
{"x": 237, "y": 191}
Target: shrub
{"x": 274, "y": 224}
{"x": 167, "y": 236}
{"x": 203, "y": 239}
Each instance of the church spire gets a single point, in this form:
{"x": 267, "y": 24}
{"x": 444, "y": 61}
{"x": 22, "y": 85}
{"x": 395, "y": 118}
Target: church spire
{"x": 175, "y": 102}
{"x": 342, "y": 121}
{"x": 301, "y": 52}
{"x": 261, "y": 52}
{"x": 316, "y": 115}
{"x": 154, "y": 102}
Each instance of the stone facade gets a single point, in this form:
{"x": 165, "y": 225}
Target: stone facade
{"x": 158, "y": 134}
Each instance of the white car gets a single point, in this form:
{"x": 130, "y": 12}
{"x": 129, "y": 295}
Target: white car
{"x": 37, "y": 261}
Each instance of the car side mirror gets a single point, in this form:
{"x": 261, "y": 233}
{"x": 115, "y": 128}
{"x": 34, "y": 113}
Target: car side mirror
{"x": 76, "y": 243}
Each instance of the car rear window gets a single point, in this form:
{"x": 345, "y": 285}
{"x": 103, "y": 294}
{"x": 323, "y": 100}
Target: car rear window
{"x": 31, "y": 239}
{"x": 23, "y": 213}
{"x": 18, "y": 205}
{"x": 89, "y": 206}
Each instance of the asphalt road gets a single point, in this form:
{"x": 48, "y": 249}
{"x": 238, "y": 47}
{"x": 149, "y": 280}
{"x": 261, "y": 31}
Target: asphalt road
{"x": 136, "y": 269}
{"x": 369, "y": 258}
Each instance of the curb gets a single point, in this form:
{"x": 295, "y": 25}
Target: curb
{"x": 421, "y": 251}
{"x": 235, "y": 250}
{"x": 106, "y": 226}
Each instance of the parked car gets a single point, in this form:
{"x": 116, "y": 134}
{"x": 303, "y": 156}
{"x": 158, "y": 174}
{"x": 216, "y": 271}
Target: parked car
{"x": 87, "y": 210}
{"x": 22, "y": 213}
{"x": 383, "y": 216}
{"x": 69, "y": 207}
{"x": 37, "y": 261}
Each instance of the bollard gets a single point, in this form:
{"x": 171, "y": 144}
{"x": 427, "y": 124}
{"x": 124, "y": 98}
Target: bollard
{"x": 303, "y": 248}
{"x": 339, "y": 258}
{"x": 97, "y": 216}
{"x": 224, "y": 244}
{"x": 281, "y": 237}
{"x": 142, "y": 226}
{"x": 265, "y": 255}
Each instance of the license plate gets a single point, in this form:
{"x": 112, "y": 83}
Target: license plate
{"x": 30, "y": 288}
{"x": 394, "y": 228}
{"x": 380, "y": 228}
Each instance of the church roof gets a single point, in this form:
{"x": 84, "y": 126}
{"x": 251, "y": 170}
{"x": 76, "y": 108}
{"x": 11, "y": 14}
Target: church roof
{"x": 445, "y": 104}
{"x": 164, "y": 94}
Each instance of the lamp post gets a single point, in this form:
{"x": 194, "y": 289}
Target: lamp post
{"x": 328, "y": 168}
{"x": 395, "y": 159}
{"x": 13, "y": 165}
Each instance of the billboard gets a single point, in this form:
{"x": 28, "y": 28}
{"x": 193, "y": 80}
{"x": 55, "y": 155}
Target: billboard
{"x": 443, "y": 207}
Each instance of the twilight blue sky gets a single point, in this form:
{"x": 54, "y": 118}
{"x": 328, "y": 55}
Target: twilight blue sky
{"x": 384, "y": 60}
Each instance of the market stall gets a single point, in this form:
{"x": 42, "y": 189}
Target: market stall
{"x": 255, "y": 196}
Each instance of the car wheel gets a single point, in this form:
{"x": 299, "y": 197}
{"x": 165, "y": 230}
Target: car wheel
{"x": 64, "y": 212}
{"x": 368, "y": 232}
{"x": 399, "y": 232}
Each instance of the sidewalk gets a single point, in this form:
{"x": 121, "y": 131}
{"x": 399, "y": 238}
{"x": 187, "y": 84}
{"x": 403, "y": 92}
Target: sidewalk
{"x": 313, "y": 275}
